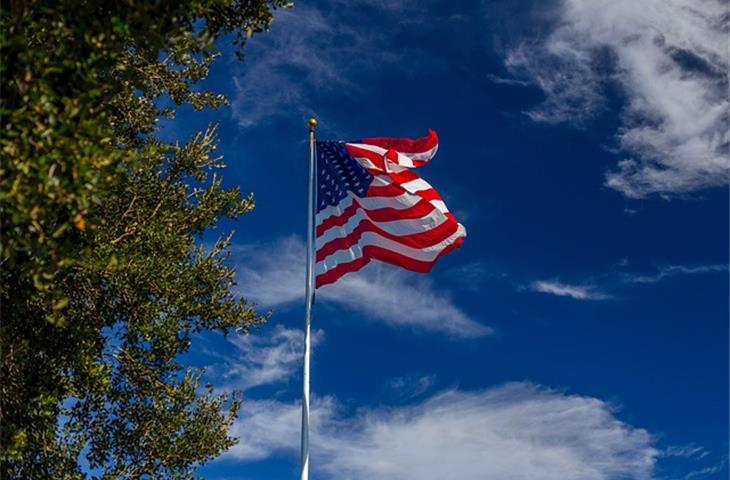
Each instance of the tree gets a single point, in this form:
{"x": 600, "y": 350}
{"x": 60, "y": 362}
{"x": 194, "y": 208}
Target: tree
{"x": 104, "y": 280}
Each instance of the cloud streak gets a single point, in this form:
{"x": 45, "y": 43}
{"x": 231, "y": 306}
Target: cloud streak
{"x": 670, "y": 271}
{"x": 273, "y": 277}
{"x": 576, "y": 292}
{"x": 669, "y": 59}
{"x": 411, "y": 386}
{"x": 602, "y": 287}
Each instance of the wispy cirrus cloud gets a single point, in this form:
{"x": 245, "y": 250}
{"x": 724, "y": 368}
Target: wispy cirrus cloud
{"x": 685, "y": 451}
{"x": 706, "y": 472}
{"x": 516, "y": 431}
{"x": 669, "y": 271}
{"x": 669, "y": 59}
{"x": 319, "y": 49}
{"x": 411, "y": 386}
{"x": 576, "y": 292}
{"x": 607, "y": 286}
{"x": 274, "y": 277}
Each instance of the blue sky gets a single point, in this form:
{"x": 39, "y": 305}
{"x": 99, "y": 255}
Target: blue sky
{"x": 581, "y": 332}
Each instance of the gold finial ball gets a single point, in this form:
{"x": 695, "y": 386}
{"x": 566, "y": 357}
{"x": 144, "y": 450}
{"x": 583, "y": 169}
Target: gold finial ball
{"x": 312, "y": 122}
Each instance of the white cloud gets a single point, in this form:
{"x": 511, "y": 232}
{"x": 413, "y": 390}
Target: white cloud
{"x": 516, "y": 431}
{"x": 269, "y": 427}
{"x": 669, "y": 58}
{"x": 266, "y": 359}
{"x": 275, "y": 276}
{"x": 577, "y": 292}
{"x": 272, "y": 275}
{"x": 402, "y": 299}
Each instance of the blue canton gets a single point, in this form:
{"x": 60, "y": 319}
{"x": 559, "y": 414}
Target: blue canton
{"x": 337, "y": 174}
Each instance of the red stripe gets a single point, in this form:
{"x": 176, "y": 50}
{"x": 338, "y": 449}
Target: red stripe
{"x": 337, "y": 220}
{"x": 406, "y": 145}
{"x": 418, "y": 240}
{"x": 395, "y": 189}
{"x": 374, "y": 157}
{"x": 420, "y": 209}
{"x": 331, "y": 276}
{"x": 384, "y": 255}
{"x": 391, "y": 190}
{"x": 404, "y": 176}
{"x": 429, "y": 194}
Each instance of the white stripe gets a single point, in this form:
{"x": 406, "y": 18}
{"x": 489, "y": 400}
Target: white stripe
{"x": 440, "y": 205}
{"x": 400, "y": 202}
{"x": 406, "y": 157}
{"x": 428, "y": 254}
{"x": 405, "y": 226}
{"x": 366, "y": 163}
{"x": 402, "y": 158}
{"x": 421, "y": 185}
{"x": 392, "y": 167}
{"x": 416, "y": 185}
{"x": 334, "y": 210}
{"x": 381, "y": 181}
{"x": 424, "y": 156}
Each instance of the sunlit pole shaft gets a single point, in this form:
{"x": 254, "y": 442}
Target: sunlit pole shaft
{"x": 309, "y": 301}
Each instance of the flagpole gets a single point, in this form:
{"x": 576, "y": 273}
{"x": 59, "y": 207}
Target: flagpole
{"x": 309, "y": 301}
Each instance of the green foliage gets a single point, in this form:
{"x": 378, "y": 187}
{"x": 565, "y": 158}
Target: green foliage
{"x": 103, "y": 282}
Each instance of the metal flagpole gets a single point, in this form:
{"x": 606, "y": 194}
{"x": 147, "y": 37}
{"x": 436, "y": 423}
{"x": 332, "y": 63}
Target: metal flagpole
{"x": 309, "y": 299}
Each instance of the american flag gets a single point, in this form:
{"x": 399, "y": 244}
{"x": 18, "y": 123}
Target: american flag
{"x": 372, "y": 206}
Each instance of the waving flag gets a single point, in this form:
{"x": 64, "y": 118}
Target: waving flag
{"x": 371, "y": 205}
